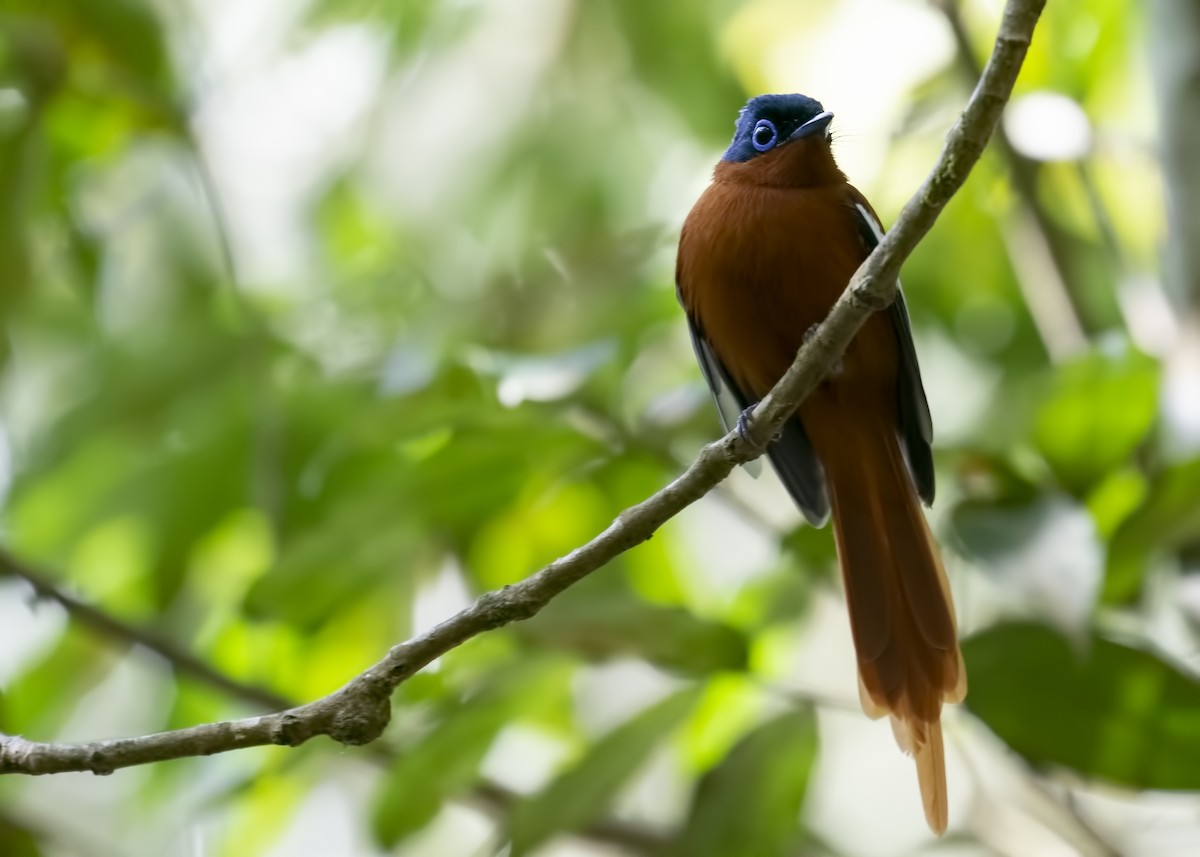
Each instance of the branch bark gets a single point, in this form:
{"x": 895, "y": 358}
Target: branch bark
{"x": 358, "y": 712}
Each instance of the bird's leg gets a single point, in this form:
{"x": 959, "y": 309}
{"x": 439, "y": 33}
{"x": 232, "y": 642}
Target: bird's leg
{"x": 743, "y": 428}
{"x": 743, "y": 420}
{"x": 837, "y": 367}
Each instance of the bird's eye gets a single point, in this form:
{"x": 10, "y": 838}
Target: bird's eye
{"x": 764, "y": 135}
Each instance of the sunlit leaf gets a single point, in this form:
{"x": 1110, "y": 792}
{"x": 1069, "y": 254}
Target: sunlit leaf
{"x": 1105, "y": 710}
{"x": 1115, "y": 498}
{"x": 781, "y": 596}
{"x": 541, "y": 525}
{"x": 1099, "y": 409}
{"x": 1167, "y": 518}
{"x": 727, "y": 710}
{"x": 262, "y": 804}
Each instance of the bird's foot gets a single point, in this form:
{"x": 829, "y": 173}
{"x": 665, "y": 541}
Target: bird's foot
{"x": 837, "y": 367}
{"x": 743, "y": 428}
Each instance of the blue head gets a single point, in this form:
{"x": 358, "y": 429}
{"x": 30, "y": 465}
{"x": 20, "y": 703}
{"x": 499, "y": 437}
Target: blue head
{"x": 770, "y": 121}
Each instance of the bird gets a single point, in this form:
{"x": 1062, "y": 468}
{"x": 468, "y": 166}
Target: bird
{"x": 765, "y": 252}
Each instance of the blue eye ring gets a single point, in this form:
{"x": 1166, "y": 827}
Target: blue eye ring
{"x": 764, "y": 135}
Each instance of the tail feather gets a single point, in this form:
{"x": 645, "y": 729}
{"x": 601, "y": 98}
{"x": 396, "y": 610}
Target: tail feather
{"x": 931, "y": 774}
{"x": 901, "y": 613}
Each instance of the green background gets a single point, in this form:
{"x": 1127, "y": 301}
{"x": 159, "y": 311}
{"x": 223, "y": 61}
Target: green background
{"x": 317, "y": 319}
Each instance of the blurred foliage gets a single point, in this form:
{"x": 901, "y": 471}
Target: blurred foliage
{"x": 1106, "y": 710}
{"x": 320, "y": 319}
{"x": 581, "y": 793}
{"x": 747, "y": 804}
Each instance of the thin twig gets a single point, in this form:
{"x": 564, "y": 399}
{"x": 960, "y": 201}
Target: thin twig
{"x": 255, "y": 341}
{"x": 90, "y": 616}
{"x": 1054, "y": 305}
{"x": 358, "y": 712}
{"x": 1097, "y": 844}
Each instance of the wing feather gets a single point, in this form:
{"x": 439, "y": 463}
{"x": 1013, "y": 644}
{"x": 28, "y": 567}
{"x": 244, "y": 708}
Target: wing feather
{"x": 916, "y": 424}
{"x": 791, "y": 453}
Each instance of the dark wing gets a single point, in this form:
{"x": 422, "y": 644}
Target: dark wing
{"x": 791, "y": 453}
{"x": 916, "y": 426}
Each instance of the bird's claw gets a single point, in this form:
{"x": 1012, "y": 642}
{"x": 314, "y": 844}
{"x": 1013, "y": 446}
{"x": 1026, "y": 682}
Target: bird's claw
{"x": 743, "y": 429}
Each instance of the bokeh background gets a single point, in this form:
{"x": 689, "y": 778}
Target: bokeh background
{"x": 320, "y": 318}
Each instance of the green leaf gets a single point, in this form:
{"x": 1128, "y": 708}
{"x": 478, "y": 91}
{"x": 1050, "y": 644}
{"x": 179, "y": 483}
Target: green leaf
{"x": 1099, "y": 409}
{"x": 749, "y": 804}
{"x": 260, "y": 808}
{"x": 1168, "y": 518}
{"x": 731, "y": 706}
{"x": 41, "y": 700}
{"x": 17, "y": 841}
{"x": 592, "y": 619}
{"x": 1046, "y": 550}
{"x": 1109, "y": 710}
{"x": 812, "y": 550}
{"x": 582, "y": 793}
{"x": 446, "y": 761}
{"x": 1118, "y": 496}
{"x": 130, "y": 34}
{"x": 356, "y": 549}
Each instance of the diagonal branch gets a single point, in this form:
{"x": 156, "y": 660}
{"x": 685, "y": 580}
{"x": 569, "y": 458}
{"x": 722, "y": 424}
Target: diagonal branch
{"x": 490, "y": 796}
{"x": 359, "y": 711}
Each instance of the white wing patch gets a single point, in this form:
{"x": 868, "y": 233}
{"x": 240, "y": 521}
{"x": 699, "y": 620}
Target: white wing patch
{"x": 729, "y": 410}
{"x": 923, "y": 417}
{"x": 870, "y": 219}
{"x": 727, "y": 404}
{"x": 876, "y": 228}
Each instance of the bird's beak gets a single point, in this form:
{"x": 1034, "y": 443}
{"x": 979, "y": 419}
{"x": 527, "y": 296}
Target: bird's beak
{"x": 816, "y": 125}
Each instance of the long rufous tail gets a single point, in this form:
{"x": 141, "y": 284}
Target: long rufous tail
{"x": 901, "y": 612}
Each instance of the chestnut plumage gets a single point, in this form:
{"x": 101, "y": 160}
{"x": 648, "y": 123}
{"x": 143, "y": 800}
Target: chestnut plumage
{"x": 764, "y": 254}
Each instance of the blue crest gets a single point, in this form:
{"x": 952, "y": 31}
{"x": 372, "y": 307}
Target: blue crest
{"x": 771, "y": 120}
